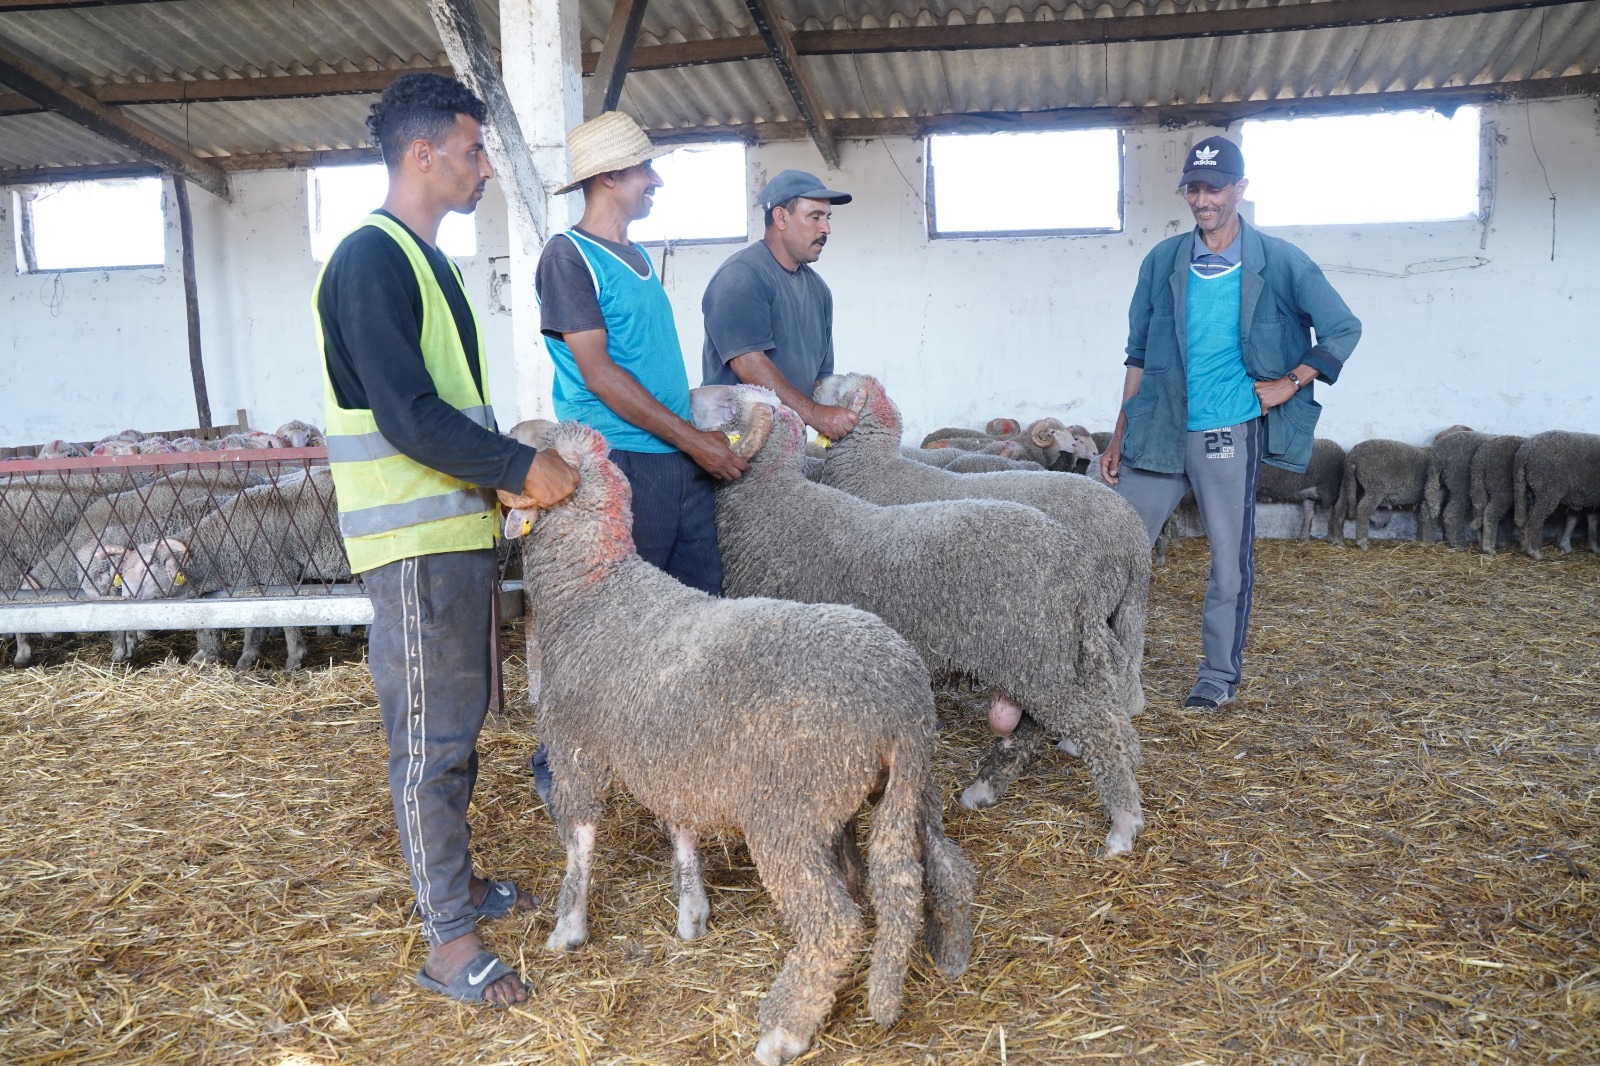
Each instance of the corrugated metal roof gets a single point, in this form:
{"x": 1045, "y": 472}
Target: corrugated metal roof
{"x": 166, "y": 42}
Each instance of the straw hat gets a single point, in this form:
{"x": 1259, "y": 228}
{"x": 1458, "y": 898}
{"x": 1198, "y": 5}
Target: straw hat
{"x": 613, "y": 141}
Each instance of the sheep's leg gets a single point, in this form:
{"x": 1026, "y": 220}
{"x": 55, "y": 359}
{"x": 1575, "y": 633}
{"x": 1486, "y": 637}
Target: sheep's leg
{"x": 1308, "y": 511}
{"x": 324, "y": 632}
{"x": 1538, "y": 513}
{"x": 688, "y": 876}
{"x": 208, "y": 646}
{"x": 1594, "y": 532}
{"x": 535, "y": 668}
{"x": 1489, "y": 525}
{"x": 295, "y": 638}
{"x": 122, "y": 645}
{"x": 949, "y": 884}
{"x": 572, "y": 906}
{"x": 1364, "y": 508}
{"x": 847, "y": 855}
{"x": 826, "y": 926}
{"x": 1565, "y": 544}
{"x": 1006, "y": 761}
{"x": 1111, "y": 761}
{"x": 251, "y": 654}
{"x": 23, "y": 655}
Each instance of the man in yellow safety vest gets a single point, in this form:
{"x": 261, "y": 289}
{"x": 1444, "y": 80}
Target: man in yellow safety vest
{"x": 416, "y": 460}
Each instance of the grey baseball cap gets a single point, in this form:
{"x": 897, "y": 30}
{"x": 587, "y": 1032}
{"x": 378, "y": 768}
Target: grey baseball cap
{"x": 787, "y": 184}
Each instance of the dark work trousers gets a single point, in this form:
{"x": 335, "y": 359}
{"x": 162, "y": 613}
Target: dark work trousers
{"x": 1222, "y": 466}
{"x": 429, "y": 654}
{"x": 674, "y": 516}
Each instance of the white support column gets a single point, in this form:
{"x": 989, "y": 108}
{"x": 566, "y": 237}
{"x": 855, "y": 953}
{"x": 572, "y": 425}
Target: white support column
{"x": 543, "y": 70}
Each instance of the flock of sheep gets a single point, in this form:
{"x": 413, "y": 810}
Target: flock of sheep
{"x": 136, "y": 532}
{"x": 1465, "y": 484}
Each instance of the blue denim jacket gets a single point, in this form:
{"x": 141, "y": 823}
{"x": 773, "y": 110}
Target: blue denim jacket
{"x": 1283, "y": 297}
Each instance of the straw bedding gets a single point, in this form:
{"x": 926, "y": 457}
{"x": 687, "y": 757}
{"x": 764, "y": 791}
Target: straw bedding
{"x": 1386, "y": 852}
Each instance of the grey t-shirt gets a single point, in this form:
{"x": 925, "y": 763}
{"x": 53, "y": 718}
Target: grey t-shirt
{"x": 565, "y": 287}
{"x": 754, "y": 305}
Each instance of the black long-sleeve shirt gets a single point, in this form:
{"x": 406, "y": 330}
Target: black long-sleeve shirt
{"x": 371, "y": 309}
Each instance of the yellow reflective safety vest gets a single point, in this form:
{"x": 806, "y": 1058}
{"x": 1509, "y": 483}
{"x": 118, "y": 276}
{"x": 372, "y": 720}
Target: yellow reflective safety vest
{"x": 390, "y": 506}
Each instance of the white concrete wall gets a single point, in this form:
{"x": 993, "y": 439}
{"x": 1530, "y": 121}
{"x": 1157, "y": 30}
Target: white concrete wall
{"x": 1463, "y": 323}
{"x": 87, "y": 353}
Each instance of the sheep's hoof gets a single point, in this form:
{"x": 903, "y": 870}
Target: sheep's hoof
{"x": 692, "y": 920}
{"x": 1125, "y": 828}
{"x": 568, "y": 936}
{"x": 978, "y": 795}
{"x": 778, "y": 1046}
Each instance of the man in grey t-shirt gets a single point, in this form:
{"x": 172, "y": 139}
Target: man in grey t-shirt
{"x": 768, "y": 315}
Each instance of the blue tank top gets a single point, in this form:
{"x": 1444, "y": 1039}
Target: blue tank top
{"x": 1220, "y": 391}
{"x": 641, "y": 338}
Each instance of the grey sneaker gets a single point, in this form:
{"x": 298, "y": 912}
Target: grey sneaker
{"x": 1208, "y": 696}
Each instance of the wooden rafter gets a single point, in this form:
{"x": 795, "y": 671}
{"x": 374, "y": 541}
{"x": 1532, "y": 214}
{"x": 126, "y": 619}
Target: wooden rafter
{"x": 611, "y": 66}
{"x": 1061, "y": 118}
{"x": 8, "y": 6}
{"x": 806, "y": 100}
{"x": 41, "y": 85}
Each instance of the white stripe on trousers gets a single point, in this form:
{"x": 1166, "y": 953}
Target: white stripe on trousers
{"x": 416, "y": 735}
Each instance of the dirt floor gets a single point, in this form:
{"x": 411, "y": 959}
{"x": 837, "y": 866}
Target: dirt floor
{"x": 1386, "y": 852}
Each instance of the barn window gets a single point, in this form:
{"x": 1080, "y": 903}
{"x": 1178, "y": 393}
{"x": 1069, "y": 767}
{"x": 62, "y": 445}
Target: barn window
{"x": 704, "y": 197}
{"x": 1408, "y": 166}
{"x": 968, "y": 175}
{"x": 90, "y": 225}
{"x": 341, "y": 197}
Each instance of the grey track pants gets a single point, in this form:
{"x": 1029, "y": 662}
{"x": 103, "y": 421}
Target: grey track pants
{"x": 429, "y": 654}
{"x": 1222, "y": 466}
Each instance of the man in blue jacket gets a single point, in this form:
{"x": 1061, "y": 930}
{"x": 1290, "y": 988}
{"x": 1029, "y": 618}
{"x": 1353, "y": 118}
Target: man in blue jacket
{"x": 1221, "y": 365}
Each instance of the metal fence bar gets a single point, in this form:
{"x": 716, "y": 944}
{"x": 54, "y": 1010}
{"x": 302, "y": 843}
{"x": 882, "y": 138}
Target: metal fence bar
{"x": 344, "y": 605}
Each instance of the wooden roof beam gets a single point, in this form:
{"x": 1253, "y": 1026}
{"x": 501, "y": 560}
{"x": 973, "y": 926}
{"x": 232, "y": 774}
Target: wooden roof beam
{"x": 611, "y": 66}
{"x": 41, "y": 85}
{"x": 8, "y": 6}
{"x": 781, "y": 48}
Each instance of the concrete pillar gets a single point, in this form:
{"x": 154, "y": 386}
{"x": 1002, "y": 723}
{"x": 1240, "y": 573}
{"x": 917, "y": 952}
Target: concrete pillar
{"x": 543, "y": 71}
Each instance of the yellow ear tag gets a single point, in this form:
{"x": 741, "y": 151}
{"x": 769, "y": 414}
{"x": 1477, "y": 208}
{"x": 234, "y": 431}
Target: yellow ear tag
{"x": 116, "y": 581}
{"x": 527, "y": 527}
{"x": 733, "y": 438}
{"x": 823, "y": 442}
{"x": 180, "y": 579}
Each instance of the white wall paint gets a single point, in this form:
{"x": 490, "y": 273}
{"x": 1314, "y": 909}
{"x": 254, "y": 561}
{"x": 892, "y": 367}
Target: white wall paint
{"x": 1462, "y": 323}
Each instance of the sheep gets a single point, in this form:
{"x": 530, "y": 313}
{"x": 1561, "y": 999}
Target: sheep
{"x": 1047, "y": 441}
{"x": 981, "y": 463}
{"x": 1492, "y": 487}
{"x": 1386, "y": 473}
{"x": 1044, "y": 615}
{"x": 1319, "y": 483}
{"x": 268, "y": 535}
{"x": 1447, "y": 494}
{"x": 994, "y": 429}
{"x": 778, "y": 720}
{"x": 867, "y": 464}
{"x": 1557, "y": 468}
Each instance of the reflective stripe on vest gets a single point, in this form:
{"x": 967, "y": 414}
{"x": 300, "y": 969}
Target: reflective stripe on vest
{"x": 391, "y": 507}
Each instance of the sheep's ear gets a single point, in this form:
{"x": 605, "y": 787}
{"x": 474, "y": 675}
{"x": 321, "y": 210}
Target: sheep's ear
{"x": 519, "y": 523}
{"x": 757, "y": 428}
{"x": 529, "y": 431}
{"x": 713, "y": 406}
{"x": 858, "y": 398}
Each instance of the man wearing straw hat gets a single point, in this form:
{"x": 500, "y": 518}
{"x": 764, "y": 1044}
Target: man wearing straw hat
{"x": 1221, "y": 365}
{"x": 619, "y": 368}
{"x": 768, "y": 315}
{"x": 414, "y": 454}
